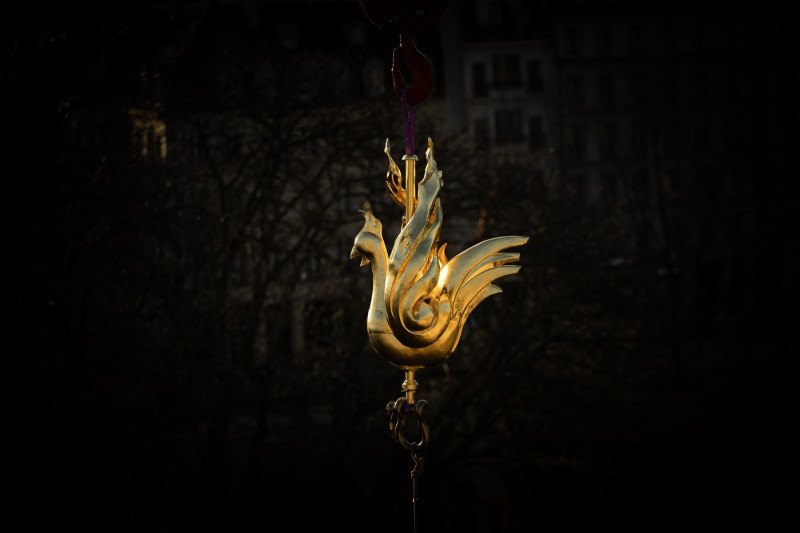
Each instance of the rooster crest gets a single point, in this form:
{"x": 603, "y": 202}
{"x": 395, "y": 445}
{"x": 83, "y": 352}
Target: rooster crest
{"x": 420, "y": 299}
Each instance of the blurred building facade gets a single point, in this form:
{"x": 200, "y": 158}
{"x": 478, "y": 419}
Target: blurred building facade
{"x": 683, "y": 120}
{"x": 687, "y": 117}
{"x": 690, "y": 115}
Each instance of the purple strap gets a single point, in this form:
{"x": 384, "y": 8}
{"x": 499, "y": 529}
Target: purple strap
{"x": 408, "y": 123}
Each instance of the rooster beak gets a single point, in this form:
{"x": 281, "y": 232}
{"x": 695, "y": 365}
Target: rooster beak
{"x": 354, "y": 254}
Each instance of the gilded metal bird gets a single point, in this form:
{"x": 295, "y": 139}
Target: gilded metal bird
{"x": 420, "y": 299}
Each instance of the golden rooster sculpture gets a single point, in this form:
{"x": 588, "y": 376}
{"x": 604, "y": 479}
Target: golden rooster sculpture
{"x": 420, "y": 299}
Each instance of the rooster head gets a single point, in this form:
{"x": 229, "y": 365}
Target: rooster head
{"x": 369, "y": 240}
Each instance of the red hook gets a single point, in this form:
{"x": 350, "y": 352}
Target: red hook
{"x": 417, "y": 65}
{"x": 408, "y": 16}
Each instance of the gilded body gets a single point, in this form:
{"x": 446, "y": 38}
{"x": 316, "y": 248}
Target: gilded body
{"x": 420, "y": 299}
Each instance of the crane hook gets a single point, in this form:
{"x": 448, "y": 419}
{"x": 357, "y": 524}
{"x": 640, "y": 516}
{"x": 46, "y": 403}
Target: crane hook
{"x": 417, "y": 65}
{"x": 409, "y": 17}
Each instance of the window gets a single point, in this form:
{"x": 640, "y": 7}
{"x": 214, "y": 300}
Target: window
{"x": 607, "y": 140}
{"x": 484, "y": 14}
{"x": 506, "y": 70}
{"x": 480, "y": 87}
{"x": 603, "y": 41}
{"x": 636, "y": 39}
{"x": 639, "y": 132}
{"x": 508, "y": 126}
{"x": 313, "y": 261}
{"x": 149, "y": 134}
{"x": 702, "y": 135}
{"x": 669, "y": 136}
{"x": 640, "y": 186}
{"x": 605, "y": 91}
{"x": 373, "y": 77}
{"x": 572, "y": 44}
{"x": 573, "y": 93}
{"x": 575, "y": 142}
{"x": 787, "y": 130}
{"x": 670, "y": 88}
{"x": 481, "y": 132}
{"x": 344, "y": 197}
{"x": 535, "y": 133}
{"x": 701, "y": 86}
{"x": 534, "y": 77}
{"x": 608, "y": 184}
{"x": 671, "y": 183}
{"x": 576, "y": 187}
{"x": 288, "y": 36}
{"x": 638, "y": 89}
{"x": 700, "y": 35}
{"x": 668, "y": 37}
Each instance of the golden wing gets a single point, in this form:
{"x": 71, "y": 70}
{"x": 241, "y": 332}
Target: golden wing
{"x": 394, "y": 180}
{"x": 468, "y": 277}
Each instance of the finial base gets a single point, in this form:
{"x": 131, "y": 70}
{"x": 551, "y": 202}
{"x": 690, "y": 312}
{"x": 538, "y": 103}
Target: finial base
{"x": 409, "y": 386}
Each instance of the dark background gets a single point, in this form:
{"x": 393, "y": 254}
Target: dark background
{"x": 157, "y": 381}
